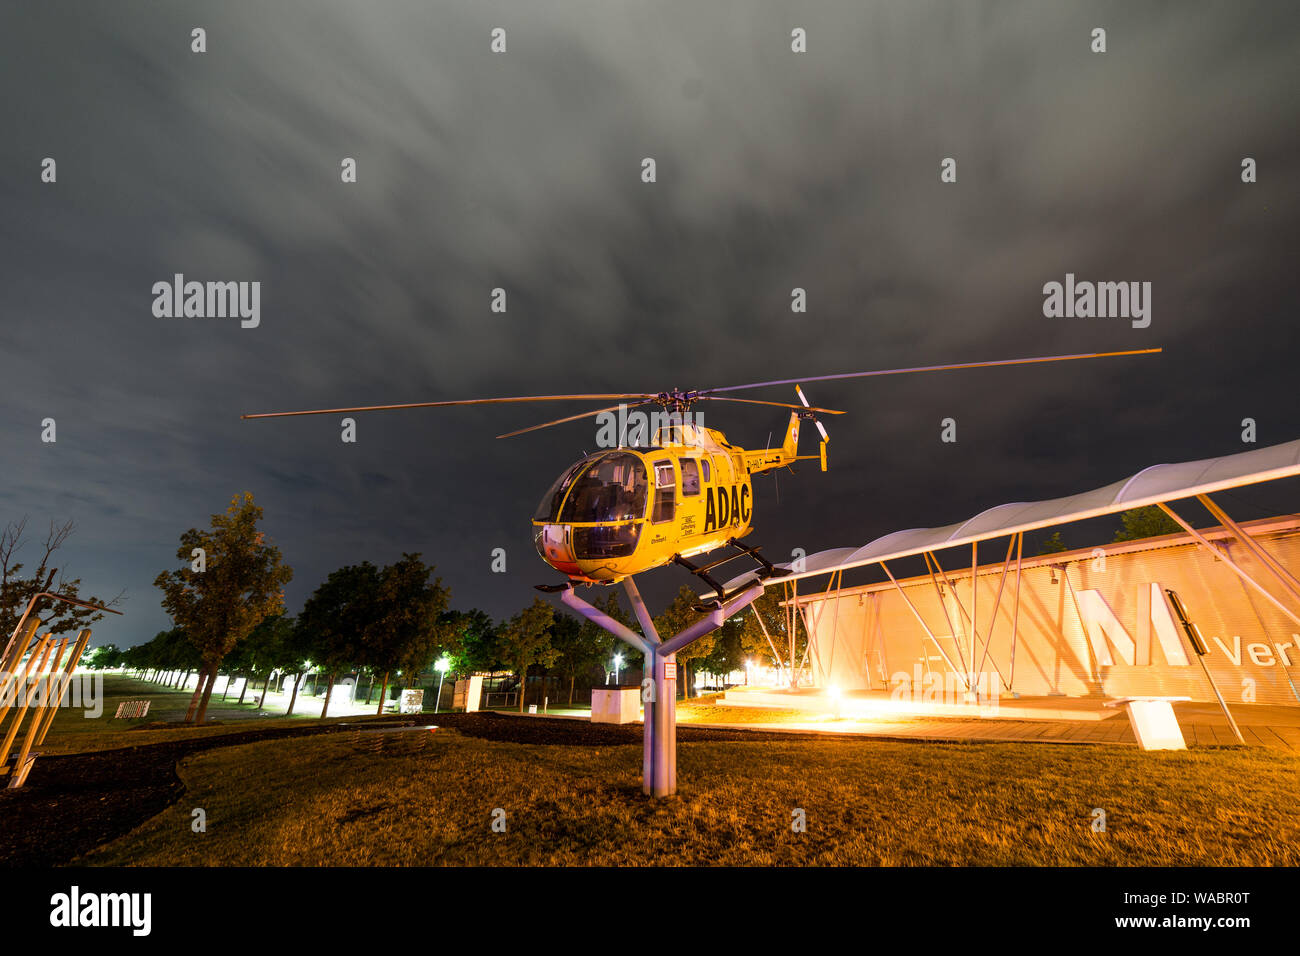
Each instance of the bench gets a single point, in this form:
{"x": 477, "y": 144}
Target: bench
{"x": 132, "y": 709}
{"x": 1153, "y": 721}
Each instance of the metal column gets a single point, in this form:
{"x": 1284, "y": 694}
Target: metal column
{"x": 659, "y": 697}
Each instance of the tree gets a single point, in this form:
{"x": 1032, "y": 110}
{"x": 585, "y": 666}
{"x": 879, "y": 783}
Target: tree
{"x": 470, "y": 640}
{"x": 609, "y": 644}
{"x": 403, "y": 632}
{"x": 1148, "y": 522}
{"x": 334, "y": 620}
{"x": 728, "y": 653}
{"x": 581, "y": 646}
{"x": 101, "y": 658}
{"x": 167, "y": 651}
{"x": 17, "y": 589}
{"x": 1054, "y": 544}
{"x": 292, "y": 656}
{"x": 230, "y": 579}
{"x": 525, "y": 640}
{"x": 173, "y": 650}
{"x": 676, "y": 618}
{"x": 758, "y": 643}
{"x": 265, "y": 650}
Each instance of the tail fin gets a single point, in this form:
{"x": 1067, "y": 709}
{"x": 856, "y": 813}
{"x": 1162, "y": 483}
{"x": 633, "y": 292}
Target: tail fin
{"x": 790, "y": 447}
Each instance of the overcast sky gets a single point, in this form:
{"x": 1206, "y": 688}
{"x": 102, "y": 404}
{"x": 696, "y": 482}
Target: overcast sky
{"x": 522, "y": 170}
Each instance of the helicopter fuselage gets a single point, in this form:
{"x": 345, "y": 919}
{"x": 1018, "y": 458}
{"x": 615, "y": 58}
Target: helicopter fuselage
{"x": 626, "y": 510}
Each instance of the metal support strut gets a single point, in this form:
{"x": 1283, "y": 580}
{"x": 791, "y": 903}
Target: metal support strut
{"x": 659, "y": 690}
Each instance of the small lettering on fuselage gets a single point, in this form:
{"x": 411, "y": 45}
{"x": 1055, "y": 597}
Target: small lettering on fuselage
{"x": 724, "y": 506}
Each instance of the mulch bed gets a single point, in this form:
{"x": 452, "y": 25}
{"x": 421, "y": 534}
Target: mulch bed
{"x": 73, "y": 803}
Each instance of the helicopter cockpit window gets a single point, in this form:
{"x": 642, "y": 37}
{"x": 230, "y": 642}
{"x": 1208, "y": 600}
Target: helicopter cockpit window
{"x": 665, "y": 492}
{"x": 704, "y": 463}
{"x": 549, "y": 508}
{"x": 613, "y": 488}
{"x": 690, "y": 477}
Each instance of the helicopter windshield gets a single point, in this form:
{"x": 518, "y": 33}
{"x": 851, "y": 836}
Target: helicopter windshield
{"x": 549, "y": 508}
{"x": 612, "y": 488}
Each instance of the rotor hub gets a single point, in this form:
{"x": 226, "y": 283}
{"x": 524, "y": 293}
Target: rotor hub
{"x": 676, "y": 400}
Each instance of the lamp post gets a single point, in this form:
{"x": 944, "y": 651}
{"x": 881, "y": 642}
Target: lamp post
{"x": 441, "y": 666}
{"x": 618, "y": 663}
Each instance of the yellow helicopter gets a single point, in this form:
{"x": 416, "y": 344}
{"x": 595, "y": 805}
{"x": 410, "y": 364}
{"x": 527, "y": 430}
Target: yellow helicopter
{"x": 633, "y": 507}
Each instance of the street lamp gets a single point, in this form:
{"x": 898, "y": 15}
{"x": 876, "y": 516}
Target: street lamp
{"x": 749, "y": 665}
{"x": 441, "y": 666}
{"x": 618, "y": 663}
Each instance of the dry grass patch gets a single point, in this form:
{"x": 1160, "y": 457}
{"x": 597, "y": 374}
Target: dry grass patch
{"x": 330, "y": 801}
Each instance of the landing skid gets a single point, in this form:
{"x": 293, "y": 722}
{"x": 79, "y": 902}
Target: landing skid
{"x": 765, "y": 570}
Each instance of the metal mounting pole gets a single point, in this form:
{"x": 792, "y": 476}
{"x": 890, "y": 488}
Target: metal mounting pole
{"x": 649, "y": 729}
{"x": 659, "y": 760}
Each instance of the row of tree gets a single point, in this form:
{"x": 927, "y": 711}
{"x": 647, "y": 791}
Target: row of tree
{"x": 348, "y": 626}
{"x": 227, "y": 603}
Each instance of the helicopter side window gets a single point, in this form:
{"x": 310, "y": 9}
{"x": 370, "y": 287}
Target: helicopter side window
{"x": 690, "y": 477}
{"x": 665, "y": 492}
{"x": 704, "y": 463}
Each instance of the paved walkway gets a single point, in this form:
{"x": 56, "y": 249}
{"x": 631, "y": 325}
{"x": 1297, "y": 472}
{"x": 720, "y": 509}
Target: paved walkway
{"x": 1202, "y": 725}
{"x": 1030, "y": 719}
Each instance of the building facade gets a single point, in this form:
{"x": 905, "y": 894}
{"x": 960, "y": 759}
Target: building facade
{"x": 1077, "y": 624}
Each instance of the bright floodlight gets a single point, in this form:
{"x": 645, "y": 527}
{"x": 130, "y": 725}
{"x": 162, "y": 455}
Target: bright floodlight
{"x": 618, "y": 660}
{"x": 834, "y": 691}
{"x": 443, "y": 664}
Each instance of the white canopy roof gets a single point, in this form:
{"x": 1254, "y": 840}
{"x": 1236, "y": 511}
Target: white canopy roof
{"x": 1151, "y": 485}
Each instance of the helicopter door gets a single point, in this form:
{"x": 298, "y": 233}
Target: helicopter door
{"x": 665, "y": 507}
{"x": 692, "y": 513}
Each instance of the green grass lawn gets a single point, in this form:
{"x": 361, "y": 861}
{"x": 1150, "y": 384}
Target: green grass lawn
{"x": 74, "y": 732}
{"x": 328, "y": 800}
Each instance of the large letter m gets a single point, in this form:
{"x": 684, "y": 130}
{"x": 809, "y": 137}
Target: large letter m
{"x": 1154, "y": 619}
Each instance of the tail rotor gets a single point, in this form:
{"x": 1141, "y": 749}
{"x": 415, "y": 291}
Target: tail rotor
{"x": 812, "y": 416}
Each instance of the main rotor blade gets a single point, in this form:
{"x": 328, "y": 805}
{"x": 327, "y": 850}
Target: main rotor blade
{"x": 571, "y": 418}
{"x": 707, "y": 392}
{"x": 637, "y": 396}
{"x": 754, "y": 401}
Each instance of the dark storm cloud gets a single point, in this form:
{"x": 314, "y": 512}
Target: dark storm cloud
{"x": 521, "y": 171}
